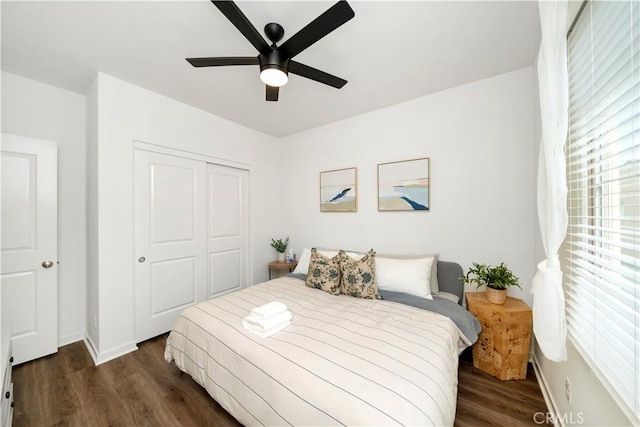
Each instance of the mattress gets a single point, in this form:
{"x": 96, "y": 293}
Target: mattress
{"x": 342, "y": 361}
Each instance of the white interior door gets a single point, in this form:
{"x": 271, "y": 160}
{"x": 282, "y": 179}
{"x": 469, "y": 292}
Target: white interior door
{"x": 170, "y": 239}
{"x": 29, "y": 245}
{"x": 227, "y": 229}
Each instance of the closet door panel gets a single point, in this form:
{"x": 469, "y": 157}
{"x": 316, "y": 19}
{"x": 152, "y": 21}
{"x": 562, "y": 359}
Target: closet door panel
{"x": 225, "y": 207}
{"x": 227, "y": 229}
{"x": 173, "y": 203}
{"x": 165, "y": 296}
{"x": 170, "y": 239}
{"x": 224, "y": 271}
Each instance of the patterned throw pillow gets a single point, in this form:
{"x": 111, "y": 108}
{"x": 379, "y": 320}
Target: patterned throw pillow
{"x": 359, "y": 276}
{"x": 324, "y": 272}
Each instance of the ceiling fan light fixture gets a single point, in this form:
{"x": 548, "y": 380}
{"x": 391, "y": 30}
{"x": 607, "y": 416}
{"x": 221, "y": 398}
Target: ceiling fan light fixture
{"x": 275, "y": 61}
{"x": 273, "y": 76}
{"x": 273, "y": 68}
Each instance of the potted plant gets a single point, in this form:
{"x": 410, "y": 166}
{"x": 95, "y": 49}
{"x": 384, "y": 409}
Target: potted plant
{"x": 496, "y": 279}
{"x": 280, "y": 246}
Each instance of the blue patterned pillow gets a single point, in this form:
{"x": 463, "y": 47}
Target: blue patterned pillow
{"x": 324, "y": 272}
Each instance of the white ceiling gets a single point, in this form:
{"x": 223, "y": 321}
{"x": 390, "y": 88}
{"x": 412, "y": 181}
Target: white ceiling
{"x": 390, "y": 52}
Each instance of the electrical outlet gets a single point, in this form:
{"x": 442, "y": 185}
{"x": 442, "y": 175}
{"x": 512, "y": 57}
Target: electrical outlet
{"x": 567, "y": 389}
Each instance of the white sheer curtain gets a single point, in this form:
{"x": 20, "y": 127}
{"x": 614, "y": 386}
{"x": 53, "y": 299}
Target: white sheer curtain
{"x": 549, "y": 325}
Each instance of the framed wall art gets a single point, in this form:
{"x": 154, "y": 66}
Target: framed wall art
{"x": 339, "y": 190}
{"x": 404, "y": 185}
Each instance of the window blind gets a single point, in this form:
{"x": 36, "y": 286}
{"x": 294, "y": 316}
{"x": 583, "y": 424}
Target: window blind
{"x": 603, "y": 177}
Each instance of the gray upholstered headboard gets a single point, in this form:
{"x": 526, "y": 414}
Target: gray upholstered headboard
{"x": 449, "y": 274}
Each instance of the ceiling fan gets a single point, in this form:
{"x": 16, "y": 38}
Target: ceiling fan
{"x": 276, "y": 61}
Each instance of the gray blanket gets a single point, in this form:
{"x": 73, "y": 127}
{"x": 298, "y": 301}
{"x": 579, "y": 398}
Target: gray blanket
{"x": 465, "y": 321}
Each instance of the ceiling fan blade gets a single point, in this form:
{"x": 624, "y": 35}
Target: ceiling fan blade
{"x": 222, "y": 61}
{"x": 272, "y": 93}
{"x": 237, "y": 18}
{"x": 315, "y": 74}
{"x": 334, "y": 17}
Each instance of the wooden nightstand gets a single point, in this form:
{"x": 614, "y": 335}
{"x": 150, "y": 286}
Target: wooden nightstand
{"x": 502, "y": 349}
{"x": 281, "y": 265}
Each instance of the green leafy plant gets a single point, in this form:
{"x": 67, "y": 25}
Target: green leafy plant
{"x": 280, "y": 245}
{"x": 498, "y": 277}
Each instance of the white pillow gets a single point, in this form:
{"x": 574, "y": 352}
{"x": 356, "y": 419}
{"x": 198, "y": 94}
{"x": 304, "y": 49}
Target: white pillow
{"x": 411, "y": 276}
{"x": 435, "y": 288}
{"x": 356, "y": 256}
{"x": 333, "y": 252}
{"x": 303, "y": 262}
{"x": 305, "y": 258}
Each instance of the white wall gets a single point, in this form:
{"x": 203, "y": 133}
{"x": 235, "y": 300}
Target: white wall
{"x": 591, "y": 404}
{"x": 127, "y": 113}
{"x": 93, "y": 255}
{"x": 481, "y": 141}
{"x": 38, "y": 110}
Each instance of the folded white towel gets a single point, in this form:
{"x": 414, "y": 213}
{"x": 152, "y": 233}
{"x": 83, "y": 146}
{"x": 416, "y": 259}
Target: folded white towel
{"x": 265, "y": 325}
{"x": 270, "y": 332}
{"x": 269, "y": 310}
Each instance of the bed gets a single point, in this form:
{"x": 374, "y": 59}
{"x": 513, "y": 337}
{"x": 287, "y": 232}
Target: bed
{"x": 342, "y": 361}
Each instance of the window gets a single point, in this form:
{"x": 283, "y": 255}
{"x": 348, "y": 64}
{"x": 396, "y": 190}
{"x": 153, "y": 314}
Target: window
{"x": 602, "y": 280}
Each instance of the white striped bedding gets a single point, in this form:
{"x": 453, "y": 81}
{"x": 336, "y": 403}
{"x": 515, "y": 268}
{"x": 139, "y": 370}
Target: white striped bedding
{"x": 342, "y": 361}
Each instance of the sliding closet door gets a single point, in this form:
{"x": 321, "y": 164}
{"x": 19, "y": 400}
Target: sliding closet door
{"x": 170, "y": 242}
{"x": 227, "y": 229}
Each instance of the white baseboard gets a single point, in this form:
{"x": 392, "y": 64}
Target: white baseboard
{"x": 546, "y": 394}
{"x": 100, "y": 358}
{"x": 71, "y": 338}
{"x": 91, "y": 348}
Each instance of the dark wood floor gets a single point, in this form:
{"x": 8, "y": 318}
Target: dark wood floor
{"x": 141, "y": 389}
{"x": 486, "y": 401}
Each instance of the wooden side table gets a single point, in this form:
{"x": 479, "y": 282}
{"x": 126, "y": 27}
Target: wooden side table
{"x": 502, "y": 349}
{"x": 281, "y": 265}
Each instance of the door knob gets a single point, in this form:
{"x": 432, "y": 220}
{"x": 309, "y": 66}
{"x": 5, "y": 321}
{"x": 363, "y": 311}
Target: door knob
{"x": 47, "y": 264}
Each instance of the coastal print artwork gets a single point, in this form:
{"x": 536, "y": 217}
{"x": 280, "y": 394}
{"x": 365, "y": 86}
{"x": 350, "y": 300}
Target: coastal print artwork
{"x": 404, "y": 186}
{"x": 339, "y": 190}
